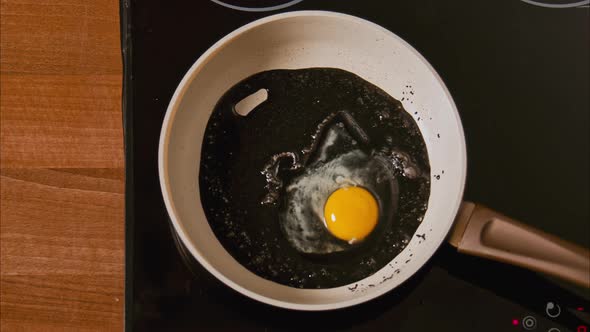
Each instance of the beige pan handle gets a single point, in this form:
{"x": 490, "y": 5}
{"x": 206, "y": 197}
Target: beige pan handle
{"x": 480, "y": 231}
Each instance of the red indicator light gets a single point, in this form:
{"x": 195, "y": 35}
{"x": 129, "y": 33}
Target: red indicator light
{"x": 580, "y": 309}
{"x": 582, "y": 328}
{"x": 515, "y": 322}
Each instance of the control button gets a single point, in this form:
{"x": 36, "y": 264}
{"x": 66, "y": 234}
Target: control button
{"x": 529, "y": 323}
{"x": 554, "y": 329}
{"x": 582, "y": 328}
{"x": 553, "y": 310}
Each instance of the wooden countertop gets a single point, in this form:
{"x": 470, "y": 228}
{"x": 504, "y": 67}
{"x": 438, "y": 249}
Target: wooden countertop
{"x": 62, "y": 188}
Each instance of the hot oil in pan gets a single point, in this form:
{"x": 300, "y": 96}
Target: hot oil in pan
{"x": 264, "y": 177}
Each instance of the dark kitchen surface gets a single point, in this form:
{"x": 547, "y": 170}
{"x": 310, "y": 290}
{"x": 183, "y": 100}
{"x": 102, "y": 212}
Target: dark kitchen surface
{"x": 519, "y": 74}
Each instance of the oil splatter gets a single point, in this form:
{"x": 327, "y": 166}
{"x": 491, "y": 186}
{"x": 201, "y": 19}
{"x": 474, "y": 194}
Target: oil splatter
{"x": 353, "y": 288}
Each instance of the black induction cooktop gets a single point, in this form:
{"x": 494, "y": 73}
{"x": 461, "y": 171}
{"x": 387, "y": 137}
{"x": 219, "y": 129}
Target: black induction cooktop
{"x": 519, "y": 73}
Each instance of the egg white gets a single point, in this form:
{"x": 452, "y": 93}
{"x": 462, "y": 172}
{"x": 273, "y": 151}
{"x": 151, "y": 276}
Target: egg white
{"x": 302, "y": 216}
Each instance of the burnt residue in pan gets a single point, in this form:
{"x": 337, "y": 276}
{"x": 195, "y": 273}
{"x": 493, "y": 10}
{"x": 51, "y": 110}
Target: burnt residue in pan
{"x": 241, "y": 153}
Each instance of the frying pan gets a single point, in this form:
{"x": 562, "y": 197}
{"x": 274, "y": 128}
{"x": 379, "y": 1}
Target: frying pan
{"x": 306, "y": 39}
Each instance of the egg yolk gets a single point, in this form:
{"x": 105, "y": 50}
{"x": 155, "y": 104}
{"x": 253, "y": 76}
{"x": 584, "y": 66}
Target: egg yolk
{"x": 351, "y": 213}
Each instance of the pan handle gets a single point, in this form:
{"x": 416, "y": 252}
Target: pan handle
{"x": 483, "y": 232}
